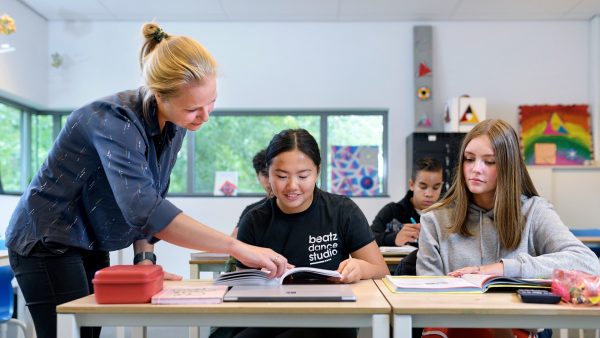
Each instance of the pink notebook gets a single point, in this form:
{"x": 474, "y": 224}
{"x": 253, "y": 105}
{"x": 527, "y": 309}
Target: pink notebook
{"x": 205, "y": 294}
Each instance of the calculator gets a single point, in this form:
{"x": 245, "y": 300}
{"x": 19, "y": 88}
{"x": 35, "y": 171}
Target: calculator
{"x": 538, "y": 296}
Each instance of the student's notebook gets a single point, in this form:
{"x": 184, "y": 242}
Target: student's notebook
{"x": 299, "y": 275}
{"x": 291, "y": 293}
{"x": 469, "y": 283}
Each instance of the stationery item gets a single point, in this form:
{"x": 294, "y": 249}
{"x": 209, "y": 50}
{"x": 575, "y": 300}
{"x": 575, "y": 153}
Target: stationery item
{"x": 469, "y": 283}
{"x": 298, "y": 275}
{"x": 190, "y": 294}
{"x": 412, "y": 220}
{"x": 396, "y": 250}
{"x": 126, "y": 284}
{"x": 537, "y": 296}
{"x": 291, "y": 293}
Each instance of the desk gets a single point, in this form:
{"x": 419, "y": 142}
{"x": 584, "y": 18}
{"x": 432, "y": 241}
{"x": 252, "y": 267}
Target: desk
{"x": 491, "y": 310}
{"x": 4, "y": 258}
{"x": 589, "y": 239}
{"x": 207, "y": 262}
{"x": 392, "y": 262}
{"x": 370, "y": 310}
{"x": 216, "y": 265}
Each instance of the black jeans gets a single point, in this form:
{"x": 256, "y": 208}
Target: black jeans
{"x": 48, "y": 279}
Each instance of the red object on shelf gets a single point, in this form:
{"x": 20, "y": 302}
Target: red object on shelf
{"x": 127, "y": 284}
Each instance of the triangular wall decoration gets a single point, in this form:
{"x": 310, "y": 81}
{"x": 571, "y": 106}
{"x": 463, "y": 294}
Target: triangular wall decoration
{"x": 423, "y": 70}
{"x": 469, "y": 116}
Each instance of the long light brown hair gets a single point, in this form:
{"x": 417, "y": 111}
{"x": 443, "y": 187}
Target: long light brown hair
{"x": 170, "y": 61}
{"x": 512, "y": 182}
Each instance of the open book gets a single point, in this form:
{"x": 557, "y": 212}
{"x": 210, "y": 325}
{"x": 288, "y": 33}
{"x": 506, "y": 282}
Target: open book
{"x": 189, "y": 294}
{"x": 298, "y": 275}
{"x": 469, "y": 283}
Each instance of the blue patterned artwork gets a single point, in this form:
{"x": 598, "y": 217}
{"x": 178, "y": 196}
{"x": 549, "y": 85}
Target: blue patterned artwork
{"x": 354, "y": 170}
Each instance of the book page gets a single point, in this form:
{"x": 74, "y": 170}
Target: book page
{"x": 478, "y": 279}
{"x": 317, "y": 271}
{"x": 428, "y": 282}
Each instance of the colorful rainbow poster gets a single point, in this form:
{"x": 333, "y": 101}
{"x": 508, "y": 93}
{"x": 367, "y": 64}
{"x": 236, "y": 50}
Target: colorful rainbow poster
{"x": 354, "y": 170}
{"x": 556, "y": 134}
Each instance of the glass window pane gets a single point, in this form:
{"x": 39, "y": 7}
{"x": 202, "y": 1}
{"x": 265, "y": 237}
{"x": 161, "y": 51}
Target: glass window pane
{"x": 178, "y": 182}
{"x": 10, "y": 148}
{"x": 228, "y": 143}
{"x": 41, "y": 139}
{"x": 63, "y": 120}
{"x": 358, "y": 142}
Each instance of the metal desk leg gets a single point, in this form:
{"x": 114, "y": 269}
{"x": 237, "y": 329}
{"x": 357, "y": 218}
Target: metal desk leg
{"x": 139, "y": 332}
{"x": 66, "y": 326}
{"x": 402, "y": 326}
{"x": 194, "y": 271}
{"x": 381, "y": 326}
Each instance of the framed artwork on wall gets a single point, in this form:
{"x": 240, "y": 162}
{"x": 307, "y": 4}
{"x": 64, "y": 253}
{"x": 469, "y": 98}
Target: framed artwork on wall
{"x": 354, "y": 170}
{"x": 556, "y": 134}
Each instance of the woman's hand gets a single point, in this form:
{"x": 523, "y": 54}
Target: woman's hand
{"x": 171, "y": 276}
{"x": 496, "y": 269}
{"x": 262, "y": 258}
{"x": 350, "y": 270}
{"x": 167, "y": 275}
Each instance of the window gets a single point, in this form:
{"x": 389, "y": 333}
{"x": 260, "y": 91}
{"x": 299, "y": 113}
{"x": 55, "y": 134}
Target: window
{"x": 27, "y": 136}
{"x": 231, "y": 139}
{"x": 10, "y": 148}
{"x": 226, "y": 144}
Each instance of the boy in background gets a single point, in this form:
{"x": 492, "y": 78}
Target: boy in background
{"x": 262, "y": 175}
{"x": 398, "y": 223}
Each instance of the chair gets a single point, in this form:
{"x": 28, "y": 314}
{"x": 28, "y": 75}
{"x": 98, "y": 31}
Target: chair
{"x": 7, "y": 299}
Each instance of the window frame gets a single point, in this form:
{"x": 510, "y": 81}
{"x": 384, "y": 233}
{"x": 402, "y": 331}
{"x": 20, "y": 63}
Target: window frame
{"x": 323, "y": 114}
{"x": 26, "y": 138}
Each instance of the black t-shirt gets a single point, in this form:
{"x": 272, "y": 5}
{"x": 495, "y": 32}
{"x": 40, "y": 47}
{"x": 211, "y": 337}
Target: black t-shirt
{"x": 250, "y": 207}
{"x": 391, "y": 218}
{"x": 322, "y": 236}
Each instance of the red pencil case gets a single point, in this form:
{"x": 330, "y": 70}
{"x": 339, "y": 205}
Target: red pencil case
{"x": 127, "y": 284}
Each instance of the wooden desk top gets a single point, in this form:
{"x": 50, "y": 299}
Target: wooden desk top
{"x": 589, "y": 239}
{"x": 368, "y": 301}
{"x": 491, "y": 303}
{"x": 4, "y": 257}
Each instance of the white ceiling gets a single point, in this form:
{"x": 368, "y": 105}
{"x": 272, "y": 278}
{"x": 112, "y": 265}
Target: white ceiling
{"x": 313, "y": 10}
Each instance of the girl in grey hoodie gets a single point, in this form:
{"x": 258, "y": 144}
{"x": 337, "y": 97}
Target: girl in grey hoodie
{"x": 492, "y": 220}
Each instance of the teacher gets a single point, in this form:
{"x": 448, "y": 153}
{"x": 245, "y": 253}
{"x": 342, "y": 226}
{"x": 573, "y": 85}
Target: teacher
{"x": 103, "y": 185}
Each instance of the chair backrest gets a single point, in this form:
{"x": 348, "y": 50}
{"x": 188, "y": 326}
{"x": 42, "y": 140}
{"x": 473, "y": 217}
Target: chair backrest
{"x": 6, "y": 293}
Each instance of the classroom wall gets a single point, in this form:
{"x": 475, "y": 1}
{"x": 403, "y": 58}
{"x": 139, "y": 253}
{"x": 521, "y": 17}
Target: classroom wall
{"x": 337, "y": 65}
{"x": 24, "y": 72}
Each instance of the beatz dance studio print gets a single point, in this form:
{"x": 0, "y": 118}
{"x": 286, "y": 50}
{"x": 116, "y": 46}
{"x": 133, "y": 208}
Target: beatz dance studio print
{"x": 322, "y": 248}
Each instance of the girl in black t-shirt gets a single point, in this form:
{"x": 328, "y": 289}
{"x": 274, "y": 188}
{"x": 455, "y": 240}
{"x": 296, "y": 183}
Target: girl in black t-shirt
{"x": 308, "y": 226}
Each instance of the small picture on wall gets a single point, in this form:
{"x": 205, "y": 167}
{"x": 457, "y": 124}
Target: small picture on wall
{"x": 556, "y": 134}
{"x": 354, "y": 170}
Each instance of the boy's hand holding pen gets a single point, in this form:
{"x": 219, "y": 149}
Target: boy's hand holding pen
{"x": 409, "y": 233}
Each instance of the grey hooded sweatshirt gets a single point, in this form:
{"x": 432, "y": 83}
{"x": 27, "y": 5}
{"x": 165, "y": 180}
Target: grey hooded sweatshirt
{"x": 546, "y": 244}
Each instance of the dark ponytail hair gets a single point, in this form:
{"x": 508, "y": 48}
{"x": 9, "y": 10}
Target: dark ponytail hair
{"x": 291, "y": 139}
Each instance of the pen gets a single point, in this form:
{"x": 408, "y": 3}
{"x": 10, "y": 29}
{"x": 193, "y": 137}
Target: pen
{"x": 412, "y": 220}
